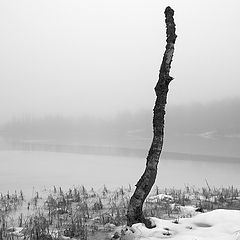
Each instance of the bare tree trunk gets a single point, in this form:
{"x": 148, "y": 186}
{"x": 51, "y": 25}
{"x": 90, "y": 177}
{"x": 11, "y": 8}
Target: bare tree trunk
{"x": 144, "y": 185}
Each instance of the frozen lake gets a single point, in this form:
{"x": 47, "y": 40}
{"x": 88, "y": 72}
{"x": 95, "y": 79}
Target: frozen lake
{"x": 27, "y": 169}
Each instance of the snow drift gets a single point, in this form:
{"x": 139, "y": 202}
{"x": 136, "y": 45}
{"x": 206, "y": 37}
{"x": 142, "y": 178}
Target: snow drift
{"x": 215, "y": 225}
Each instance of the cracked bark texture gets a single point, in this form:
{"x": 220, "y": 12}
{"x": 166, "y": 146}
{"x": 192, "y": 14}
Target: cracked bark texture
{"x": 144, "y": 185}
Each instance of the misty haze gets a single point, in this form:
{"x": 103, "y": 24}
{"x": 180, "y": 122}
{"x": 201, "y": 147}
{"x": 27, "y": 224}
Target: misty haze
{"x": 77, "y": 99}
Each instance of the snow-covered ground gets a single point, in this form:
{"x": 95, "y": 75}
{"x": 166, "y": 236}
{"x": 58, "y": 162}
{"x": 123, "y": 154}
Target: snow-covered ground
{"x": 215, "y": 225}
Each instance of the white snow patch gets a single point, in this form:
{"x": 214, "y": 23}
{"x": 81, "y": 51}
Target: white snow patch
{"x": 215, "y": 225}
{"x": 187, "y": 211}
{"x": 160, "y": 197}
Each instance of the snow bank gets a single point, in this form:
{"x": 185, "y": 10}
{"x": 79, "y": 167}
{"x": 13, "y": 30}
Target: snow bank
{"x": 215, "y": 225}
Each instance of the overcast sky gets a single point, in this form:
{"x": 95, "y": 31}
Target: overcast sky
{"x": 99, "y": 57}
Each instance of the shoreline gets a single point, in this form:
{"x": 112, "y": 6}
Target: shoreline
{"x": 113, "y": 151}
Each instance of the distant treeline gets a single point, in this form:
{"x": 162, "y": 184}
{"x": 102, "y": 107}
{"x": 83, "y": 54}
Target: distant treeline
{"x": 218, "y": 118}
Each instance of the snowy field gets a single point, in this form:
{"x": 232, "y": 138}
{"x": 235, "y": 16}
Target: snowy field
{"x": 25, "y": 170}
{"x": 215, "y": 225}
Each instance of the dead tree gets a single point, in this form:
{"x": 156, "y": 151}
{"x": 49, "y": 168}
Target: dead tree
{"x": 144, "y": 185}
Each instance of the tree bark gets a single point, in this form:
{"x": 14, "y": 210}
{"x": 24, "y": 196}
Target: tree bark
{"x": 144, "y": 185}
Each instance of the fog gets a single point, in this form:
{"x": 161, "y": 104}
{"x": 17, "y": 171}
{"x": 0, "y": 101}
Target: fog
{"x": 206, "y": 129}
{"x": 101, "y": 58}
